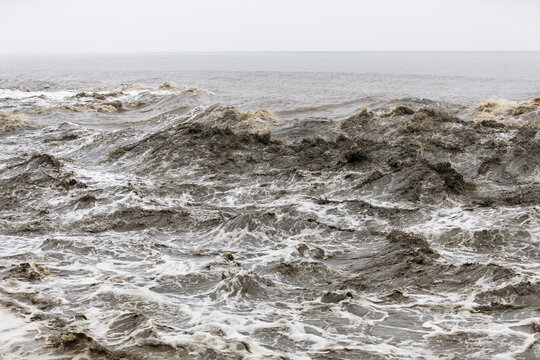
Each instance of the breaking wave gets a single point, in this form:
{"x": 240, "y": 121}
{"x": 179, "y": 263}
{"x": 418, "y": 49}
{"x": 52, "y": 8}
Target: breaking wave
{"x": 509, "y": 112}
{"x": 10, "y": 122}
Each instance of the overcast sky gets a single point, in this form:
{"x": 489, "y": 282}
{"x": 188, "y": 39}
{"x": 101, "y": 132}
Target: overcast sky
{"x": 268, "y": 25}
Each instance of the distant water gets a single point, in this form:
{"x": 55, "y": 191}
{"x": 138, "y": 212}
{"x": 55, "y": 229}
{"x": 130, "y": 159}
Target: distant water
{"x": 290, "y": 82}
{"x": 270, "y": 206}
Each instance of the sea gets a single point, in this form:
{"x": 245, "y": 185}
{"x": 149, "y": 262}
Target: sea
{"x": 359, "y": 205}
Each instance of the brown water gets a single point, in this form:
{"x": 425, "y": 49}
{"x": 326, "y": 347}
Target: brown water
{"x": 302, "y": 206}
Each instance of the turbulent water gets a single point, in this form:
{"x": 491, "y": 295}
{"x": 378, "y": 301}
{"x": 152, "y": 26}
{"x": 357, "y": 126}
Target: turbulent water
{"x": 270, "y": 206}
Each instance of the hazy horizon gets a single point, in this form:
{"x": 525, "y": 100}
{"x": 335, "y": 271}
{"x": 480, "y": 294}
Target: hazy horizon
{"x": 150, "y": 52}
{"x": 211, "y": 26}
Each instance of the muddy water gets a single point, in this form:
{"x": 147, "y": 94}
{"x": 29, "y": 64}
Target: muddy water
{"x": 144, "y": 219}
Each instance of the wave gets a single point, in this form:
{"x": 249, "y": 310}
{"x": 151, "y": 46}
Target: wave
{"x": 325, "y": 107}
{"x": 220, "y": 116}
{"x": 509, "y": 111}
{"x": 11, "y": 122}
{"x": 128, "y": 86}
{"x": 108, "y": 107}
{"x": 139, "y": 100}
{"x": 194, "y": 91}
{"x": 209, "y": 231}
{"x": 187, "y": 91}
{"x": 525, "y": 294}
{"x": 421, "y": 164}
{"x": 408, "y": 261}
{"x": 167, "y": 85}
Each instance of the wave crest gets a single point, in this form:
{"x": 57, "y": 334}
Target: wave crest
{"x": 194, "y": 91}
{"x": 508, "y": 111}
{"x": 167, "y": 85}
{"x": 10, "y": 122}
{"x": 221, "y": 116}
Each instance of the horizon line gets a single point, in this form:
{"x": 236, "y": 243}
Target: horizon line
{"x": 256, "y": 52}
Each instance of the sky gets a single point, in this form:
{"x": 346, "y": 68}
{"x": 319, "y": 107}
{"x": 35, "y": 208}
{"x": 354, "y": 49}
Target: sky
{"x": 73, "y": 26}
